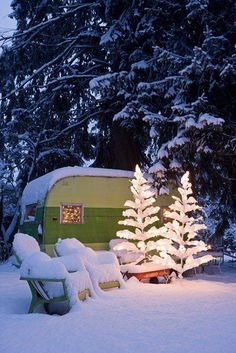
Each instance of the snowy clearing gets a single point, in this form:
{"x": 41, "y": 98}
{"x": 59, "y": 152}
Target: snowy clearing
{"x": 193, "y": 315}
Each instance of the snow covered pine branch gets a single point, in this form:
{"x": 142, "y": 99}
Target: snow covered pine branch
{"x": 179, "y": 249}
{"x": 141, "y": 214}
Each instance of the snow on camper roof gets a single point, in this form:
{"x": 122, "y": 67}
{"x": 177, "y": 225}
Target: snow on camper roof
{"x": 36, "y": 190}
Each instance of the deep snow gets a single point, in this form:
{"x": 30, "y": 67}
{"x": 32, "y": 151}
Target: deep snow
{"x": 196, "y": 315}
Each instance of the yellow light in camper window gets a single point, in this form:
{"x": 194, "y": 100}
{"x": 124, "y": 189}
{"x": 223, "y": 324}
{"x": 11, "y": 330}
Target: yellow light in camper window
{"x": 71, "y": 213}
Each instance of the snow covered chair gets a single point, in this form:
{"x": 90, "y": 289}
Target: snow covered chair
{"x": 23, "y": 246}
{"x": 103, "y": 266}
{"x": 128, "y": 255}
{"x": 67, "y": 246}
{"x": 50, "y": 282}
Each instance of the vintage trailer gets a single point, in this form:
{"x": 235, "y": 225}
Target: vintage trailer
{"x": 85, "y": 203}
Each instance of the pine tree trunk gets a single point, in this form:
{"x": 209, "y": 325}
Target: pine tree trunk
{"x": 122, "y": 151}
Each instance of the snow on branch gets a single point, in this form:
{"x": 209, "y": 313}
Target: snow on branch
{"x": 179, "y": 233}
{"x": 39, "y": 70}
{"x": 140, "y": 215}
{"x": 50, "y": 21}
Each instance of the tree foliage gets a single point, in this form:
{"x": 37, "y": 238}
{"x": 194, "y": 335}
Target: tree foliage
{"x": 118, "y": 83}
{"x": 180, "y": 248}
{"x": 173, "y": 70}
{"x": 141, "y": 214}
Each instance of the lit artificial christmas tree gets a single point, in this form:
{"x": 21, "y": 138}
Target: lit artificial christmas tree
{"x": 179, "y": 249}
{"x": 140, "y": 215}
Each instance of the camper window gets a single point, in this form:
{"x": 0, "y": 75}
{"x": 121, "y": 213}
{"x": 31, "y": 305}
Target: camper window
{"x": 30, "y": 212}
{"x": 71, "y": 213}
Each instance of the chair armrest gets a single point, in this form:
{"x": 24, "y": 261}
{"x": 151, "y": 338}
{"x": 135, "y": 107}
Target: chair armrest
{"x": 37, "y": 286}
{"x": 62, "y": 280}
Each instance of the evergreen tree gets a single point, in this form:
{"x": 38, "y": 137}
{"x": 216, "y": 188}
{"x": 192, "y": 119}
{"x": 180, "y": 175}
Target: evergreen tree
{"x": 180, "y": 249}
{"x": 141, "y": 215}
{"x": 46, "y": 106}
{"x": 161, "y": 79}
{"x": 45, "y": 72}
{"x": 172, "y": 71}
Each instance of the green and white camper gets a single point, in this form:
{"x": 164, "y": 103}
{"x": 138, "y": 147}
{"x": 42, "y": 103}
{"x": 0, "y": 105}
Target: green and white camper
{"x": 85, "y": 203}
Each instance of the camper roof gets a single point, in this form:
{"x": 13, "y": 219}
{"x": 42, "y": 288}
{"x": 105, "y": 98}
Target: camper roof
{"x": 36, "y": 190}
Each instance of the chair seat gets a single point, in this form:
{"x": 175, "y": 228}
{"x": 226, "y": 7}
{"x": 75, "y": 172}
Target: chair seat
{"x": 76, "y": 282}
{"x": 104, "y": 272}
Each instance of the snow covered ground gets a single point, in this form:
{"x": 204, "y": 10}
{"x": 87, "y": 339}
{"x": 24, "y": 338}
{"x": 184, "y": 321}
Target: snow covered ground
{"x": 196, "y": 315}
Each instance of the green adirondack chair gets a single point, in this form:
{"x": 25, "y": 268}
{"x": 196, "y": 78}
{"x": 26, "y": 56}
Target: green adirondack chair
{"x": 100, "y": 264}
{"x": 49, "y": 278}
{"x": 40, "y": 295}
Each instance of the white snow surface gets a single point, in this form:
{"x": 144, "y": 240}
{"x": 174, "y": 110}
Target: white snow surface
{"x": 162, "y": 153}
{"x": 140, "y": 65}
{"x": 36, "y": 190}
{"x": 188, "y": 316}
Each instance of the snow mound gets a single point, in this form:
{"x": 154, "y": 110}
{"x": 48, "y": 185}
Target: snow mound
{"x": 67, "y": 246}
{"x": 174, "y": 164}
{"x": 25, "y": 245}
{"x": 40, "y": 265}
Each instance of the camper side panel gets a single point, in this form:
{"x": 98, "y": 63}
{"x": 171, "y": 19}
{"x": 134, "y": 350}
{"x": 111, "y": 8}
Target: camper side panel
{"x": 102, "y": 200}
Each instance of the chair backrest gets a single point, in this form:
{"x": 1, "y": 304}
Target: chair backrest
{"x": 23, "y": 246}
{"x": 45, "y": 274}
{"x": 67, "y": 246}
{"x": 41, "y": 265}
